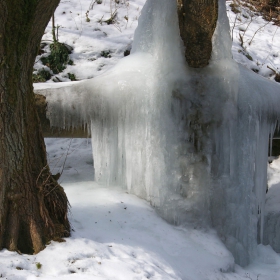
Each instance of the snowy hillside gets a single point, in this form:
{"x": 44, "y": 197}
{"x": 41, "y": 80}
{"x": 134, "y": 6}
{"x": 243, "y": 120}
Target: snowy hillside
{"x": 117, "y": 235}
{"x": 97, "y": 45}
{"x": 255, "y": 41}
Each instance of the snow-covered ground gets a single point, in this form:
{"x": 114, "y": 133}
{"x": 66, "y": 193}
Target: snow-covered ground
{"x": 115, "y": 234}
{"x": 97, "y": 46}
{"x": 119, "y": 236}
{"x": 255, "y": 41}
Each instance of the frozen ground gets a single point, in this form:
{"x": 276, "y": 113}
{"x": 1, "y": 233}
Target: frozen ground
{"x": 119, "y": 236}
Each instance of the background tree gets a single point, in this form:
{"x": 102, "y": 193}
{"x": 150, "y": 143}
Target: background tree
{"x": 33, "y": 206}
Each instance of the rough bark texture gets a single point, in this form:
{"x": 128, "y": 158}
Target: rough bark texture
{"x": 197, "y": 22}
{"x": 33, "y": 207}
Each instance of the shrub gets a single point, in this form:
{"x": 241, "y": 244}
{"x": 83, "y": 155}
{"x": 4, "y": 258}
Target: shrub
{"x": 72, "y": 76}
{"x": 105, "y": 54}
{"x": 42, "y": 76}
{"x": 38, "y": 265}
{"x": 58, "y": 57}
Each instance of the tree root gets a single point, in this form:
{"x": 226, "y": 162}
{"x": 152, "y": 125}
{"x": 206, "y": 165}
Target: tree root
{"x": 54, "y": 207}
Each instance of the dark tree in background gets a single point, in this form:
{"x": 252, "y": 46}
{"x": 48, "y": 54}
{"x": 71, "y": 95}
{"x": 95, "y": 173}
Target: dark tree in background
{"x": 33, "y": 206}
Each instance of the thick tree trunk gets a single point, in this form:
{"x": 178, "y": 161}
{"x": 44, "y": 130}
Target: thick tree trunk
{"x": 33, "y": 207}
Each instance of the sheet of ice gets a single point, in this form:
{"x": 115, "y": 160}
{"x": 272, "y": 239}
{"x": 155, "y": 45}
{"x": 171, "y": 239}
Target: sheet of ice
{"x": 192, "y": 142}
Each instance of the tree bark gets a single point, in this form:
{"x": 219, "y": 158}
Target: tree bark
{"x": 197, "y": 22}
{"x": 33, "y": 206}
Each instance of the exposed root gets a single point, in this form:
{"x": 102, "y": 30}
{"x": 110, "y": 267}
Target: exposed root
{"x": 54, "y": 207}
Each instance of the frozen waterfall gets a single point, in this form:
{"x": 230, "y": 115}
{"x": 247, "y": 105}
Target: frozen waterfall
{"x": 193, "y": 142}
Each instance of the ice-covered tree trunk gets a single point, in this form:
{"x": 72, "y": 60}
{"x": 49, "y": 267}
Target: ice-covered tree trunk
{"x": 191, "y": 141}
{"x": 33, "y": 207}
{"x": 65, "y": 131}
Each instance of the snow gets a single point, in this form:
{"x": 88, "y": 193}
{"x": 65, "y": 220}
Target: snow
{"x": 119, "y": 236}
{"x": 261, "y": 41}
{"x": 90, "y": 38}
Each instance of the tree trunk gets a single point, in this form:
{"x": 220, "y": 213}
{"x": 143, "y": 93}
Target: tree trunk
{"x": 33, "y": 207}
{"x": 197, "y": 22}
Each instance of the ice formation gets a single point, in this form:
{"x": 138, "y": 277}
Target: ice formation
{"x": 192, "y": 142}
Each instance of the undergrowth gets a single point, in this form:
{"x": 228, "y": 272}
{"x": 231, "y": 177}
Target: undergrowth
{"x": 58, "y": 59}
{"x": 41, "y": 76}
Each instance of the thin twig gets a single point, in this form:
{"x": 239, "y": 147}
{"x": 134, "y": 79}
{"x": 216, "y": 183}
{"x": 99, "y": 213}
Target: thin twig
{"x": 66, "y": 156}
{"x": 257, "y": 32}
{"x": 233, "y": 27}
{"x": 44, "y": 168}
{"x": 274, "y": 71}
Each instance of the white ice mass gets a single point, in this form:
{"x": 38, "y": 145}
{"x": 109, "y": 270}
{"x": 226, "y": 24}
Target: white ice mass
{"x": 192, "y": 142}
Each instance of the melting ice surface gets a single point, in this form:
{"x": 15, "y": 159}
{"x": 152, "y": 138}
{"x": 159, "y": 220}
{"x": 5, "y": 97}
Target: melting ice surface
{"x": 192, "y": 142}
